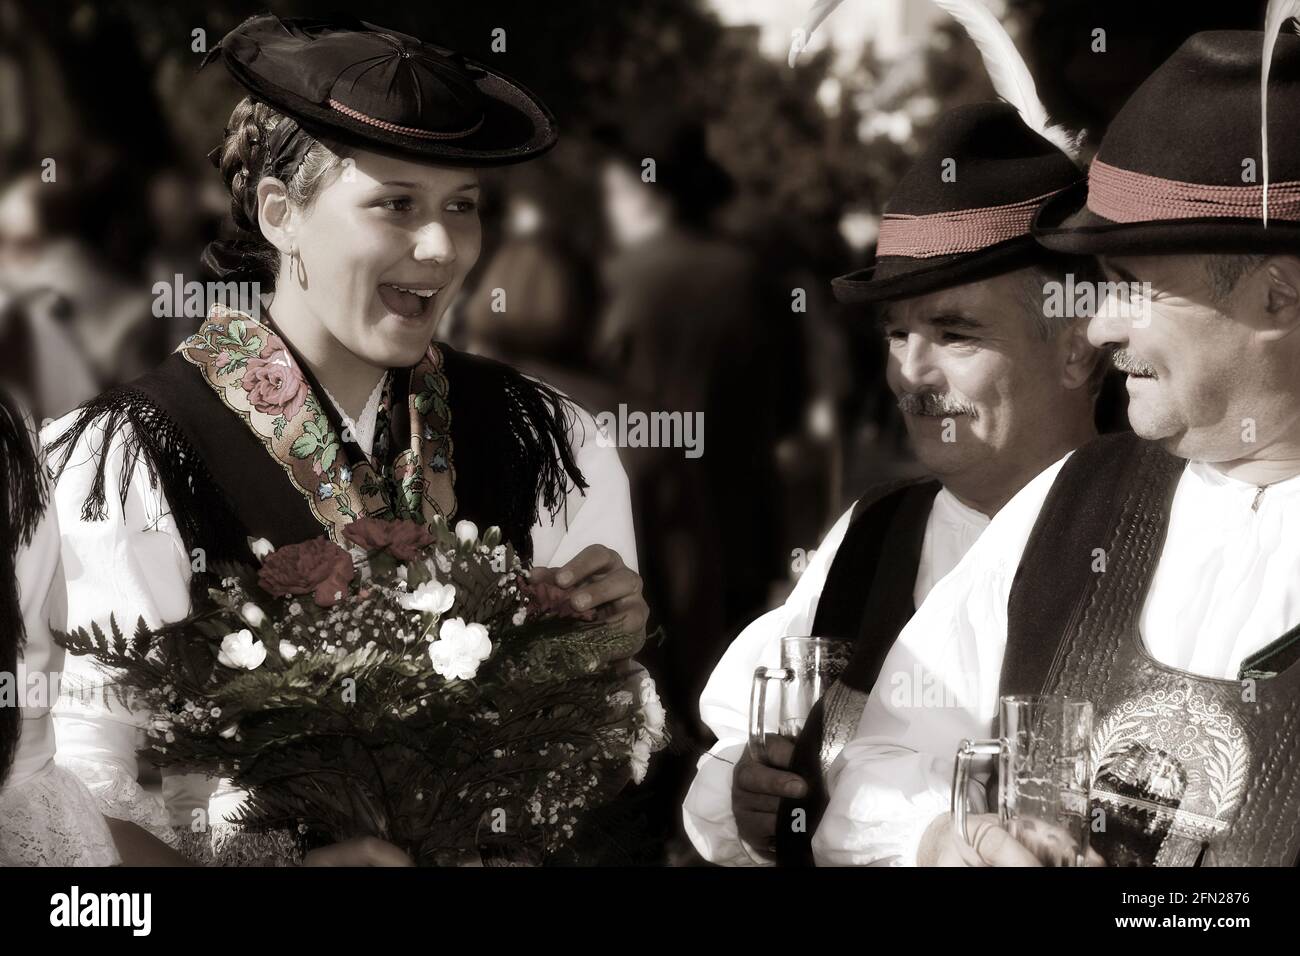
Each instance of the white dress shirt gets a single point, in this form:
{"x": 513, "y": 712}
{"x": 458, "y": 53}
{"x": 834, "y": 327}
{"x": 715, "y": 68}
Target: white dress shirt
{"x": 1227, "y": 584}
{"x": 134, "y": 564}
{"x": 950, "y": 530}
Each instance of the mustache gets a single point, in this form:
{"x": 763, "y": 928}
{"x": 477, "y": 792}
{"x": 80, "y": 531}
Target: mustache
{"x": 934, "y": 405}
{"x": 1130, "y": 364}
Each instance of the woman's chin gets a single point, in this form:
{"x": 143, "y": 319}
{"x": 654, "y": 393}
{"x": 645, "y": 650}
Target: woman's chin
{"x": 404, "y": 340}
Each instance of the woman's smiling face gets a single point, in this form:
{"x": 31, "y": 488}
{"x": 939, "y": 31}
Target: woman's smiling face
{"x": 383, "y": 248}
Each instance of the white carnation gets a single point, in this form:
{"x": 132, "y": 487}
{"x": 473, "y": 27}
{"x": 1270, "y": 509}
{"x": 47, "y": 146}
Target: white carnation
{"x": 430, "y": 598}
{"x": 459, "y": 649}
{"x": 640, "y": 758}
{"x": 653, "y": 716}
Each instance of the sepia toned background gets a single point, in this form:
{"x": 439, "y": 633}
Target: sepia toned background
{"x": 684, "y": 297}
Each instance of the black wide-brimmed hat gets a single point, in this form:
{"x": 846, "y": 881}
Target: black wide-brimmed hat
{"x": 1180, "y": 167}
{"x": 962, "y": 211}
{"x": 377, "y": 89}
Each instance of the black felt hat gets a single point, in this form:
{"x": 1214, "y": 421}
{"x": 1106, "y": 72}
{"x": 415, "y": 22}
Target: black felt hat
{"x": 963, "y": 209}
{"x": 1180, "y": 167}
{"x": 377, "y": 89}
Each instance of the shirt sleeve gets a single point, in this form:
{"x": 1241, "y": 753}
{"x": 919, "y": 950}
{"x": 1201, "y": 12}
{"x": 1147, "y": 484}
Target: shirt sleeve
{"x": 600, "y": 515}
{"x": 724, "y": 707}
{"x": 937, "y": 686}
{"x": 47, "y": 816}
{"x": 129, "y": 565}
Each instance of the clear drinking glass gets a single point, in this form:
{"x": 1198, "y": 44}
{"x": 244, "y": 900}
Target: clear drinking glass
{"x": 809, "y": 665}
{"x": 1044, "y": 776}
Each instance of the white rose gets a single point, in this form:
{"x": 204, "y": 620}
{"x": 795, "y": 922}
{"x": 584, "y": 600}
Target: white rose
{"x": 459, "y": 649}
{"x": 288, "y": 651}
{"x": 430, "y": 598}
{"x": 260, "y": 548}
{"x": 240, "y": 650}
{"x": 466, "y": 532}
{"x": 252, "y": 614}
{"x": 520, "y": 616}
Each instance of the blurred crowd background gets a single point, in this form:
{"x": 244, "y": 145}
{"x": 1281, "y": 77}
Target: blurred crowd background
{"x": 680, "y": 298}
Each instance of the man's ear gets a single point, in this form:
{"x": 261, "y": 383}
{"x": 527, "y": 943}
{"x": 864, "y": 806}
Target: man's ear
{"x": 1280, "y": 282}
{"x": 276, "y": 215}
{"x": 1081, "y": 357}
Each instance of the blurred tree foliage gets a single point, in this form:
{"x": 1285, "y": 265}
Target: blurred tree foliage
{"x": 118, "y": 78}
{"x": 126, "y": 72}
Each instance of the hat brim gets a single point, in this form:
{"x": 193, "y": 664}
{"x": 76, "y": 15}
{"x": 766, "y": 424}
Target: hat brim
{"x": 1066, "y": 224}
{"x": 516, "y": 125}
{"x": 940, "y": 273}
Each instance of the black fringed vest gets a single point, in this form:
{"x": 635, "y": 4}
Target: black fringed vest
{"x": 509, "y": 435}
{"x": 867, "y": 599}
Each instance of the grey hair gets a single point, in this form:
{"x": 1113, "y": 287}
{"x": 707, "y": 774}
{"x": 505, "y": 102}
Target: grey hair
{"x": 1223, "y": 272}
{"x": 1033, "y": 290}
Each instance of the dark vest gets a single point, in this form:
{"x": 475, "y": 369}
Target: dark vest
{"x": 867, "y": 599}
{"x": 1187, "y": 769}
{"x": 509, "y": 435}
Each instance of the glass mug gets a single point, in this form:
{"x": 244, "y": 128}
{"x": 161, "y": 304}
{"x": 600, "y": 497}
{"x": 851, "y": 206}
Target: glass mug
{"x": 1044, "y": 776}
{"x": 809, "y": 665}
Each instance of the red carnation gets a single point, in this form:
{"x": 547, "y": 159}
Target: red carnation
{"x": 318, "y": 567}
{"x": 404, "y": 539}
{"x": 273, "y": 383}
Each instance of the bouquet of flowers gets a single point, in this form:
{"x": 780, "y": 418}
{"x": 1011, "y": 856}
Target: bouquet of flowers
{"x": 416, "y": 688}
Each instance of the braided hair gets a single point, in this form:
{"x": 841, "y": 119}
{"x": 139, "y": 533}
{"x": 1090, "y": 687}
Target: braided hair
{"x": 243, "y": 162}
{"x": 23, "y": 496}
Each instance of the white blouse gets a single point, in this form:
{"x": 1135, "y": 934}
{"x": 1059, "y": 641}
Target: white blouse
{"x": 47, "y": 817}
{"x": 950, "y": 531}
{"x": 134, "y": 564}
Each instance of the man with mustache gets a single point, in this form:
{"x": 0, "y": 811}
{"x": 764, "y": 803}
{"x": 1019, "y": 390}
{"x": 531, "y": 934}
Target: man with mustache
{"x": 992, "y": 389}
{"x": 1157, "y": 576}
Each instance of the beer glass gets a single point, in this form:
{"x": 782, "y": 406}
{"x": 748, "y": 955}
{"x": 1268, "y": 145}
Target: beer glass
{"x": 809, "y": 665}
{"x": 1044, "y": 775}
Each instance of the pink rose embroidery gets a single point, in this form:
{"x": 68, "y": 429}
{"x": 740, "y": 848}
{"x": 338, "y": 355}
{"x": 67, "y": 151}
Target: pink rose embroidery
{"x": 274, "y": 385}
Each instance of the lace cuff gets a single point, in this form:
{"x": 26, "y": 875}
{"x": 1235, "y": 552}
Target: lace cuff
{"x": 227, "y": 844}
{"x": 52, "y": 820}
{"x": 121, "y": 797}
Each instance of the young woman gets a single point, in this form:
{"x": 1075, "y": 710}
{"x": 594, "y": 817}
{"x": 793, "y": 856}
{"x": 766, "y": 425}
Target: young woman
{"x": 351, "y": 167}
{"x": 47, "y": 818}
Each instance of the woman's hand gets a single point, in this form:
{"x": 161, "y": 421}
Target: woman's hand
{"x": 359, "y": 851}
{"x": 598, "y": 580}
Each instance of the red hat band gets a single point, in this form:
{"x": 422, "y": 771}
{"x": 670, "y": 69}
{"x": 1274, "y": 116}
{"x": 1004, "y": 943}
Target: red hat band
{"x": 1122, "y": 195}
{"x": 958, "y": 231}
